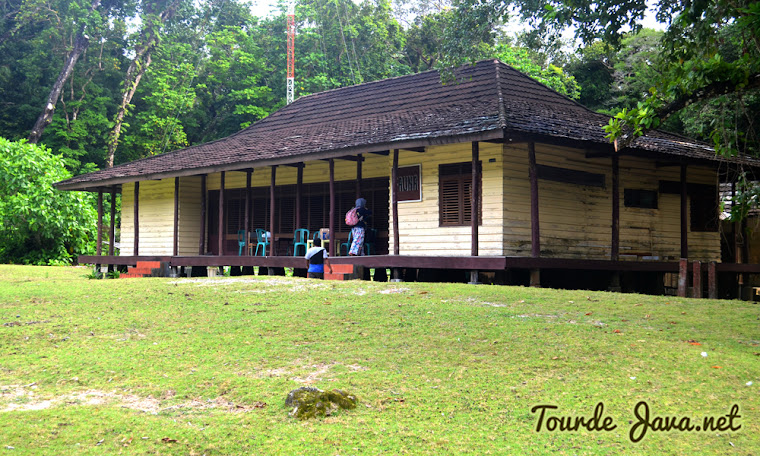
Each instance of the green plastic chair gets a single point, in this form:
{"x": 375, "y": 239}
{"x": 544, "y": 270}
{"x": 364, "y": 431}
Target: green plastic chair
{"x": 242, "y": 241}
{"x": 369, "y": 247}
{"x": 261, "y": 241}
{"x": 347, "y": 244}
{"x": 299, "y": 239}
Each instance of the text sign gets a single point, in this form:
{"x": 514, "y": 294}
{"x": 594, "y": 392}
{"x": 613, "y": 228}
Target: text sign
{"x": 409, "y": 183}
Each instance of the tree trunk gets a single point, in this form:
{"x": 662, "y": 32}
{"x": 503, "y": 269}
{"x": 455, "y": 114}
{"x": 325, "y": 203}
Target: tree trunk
{"x": 149, "y": 39}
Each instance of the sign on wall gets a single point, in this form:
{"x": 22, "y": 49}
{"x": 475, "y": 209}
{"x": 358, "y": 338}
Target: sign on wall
{"x": 409, "y": 183}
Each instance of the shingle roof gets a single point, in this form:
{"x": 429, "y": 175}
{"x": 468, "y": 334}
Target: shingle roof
{"x": 489, "y": 101}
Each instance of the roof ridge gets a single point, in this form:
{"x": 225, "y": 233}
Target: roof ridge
{"x": 502, "y": 108}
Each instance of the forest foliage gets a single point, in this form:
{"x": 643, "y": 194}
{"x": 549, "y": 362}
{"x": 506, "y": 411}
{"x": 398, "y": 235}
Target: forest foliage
{"x": 101, "y": 82}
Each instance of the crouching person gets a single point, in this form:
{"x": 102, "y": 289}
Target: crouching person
{"x": 316, "y": 258}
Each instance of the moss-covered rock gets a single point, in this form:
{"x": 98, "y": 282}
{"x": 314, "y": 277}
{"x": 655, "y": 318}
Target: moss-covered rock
{"x": 308, "y": 402}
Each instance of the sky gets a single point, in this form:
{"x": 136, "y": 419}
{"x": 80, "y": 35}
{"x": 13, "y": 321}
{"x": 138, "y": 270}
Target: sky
{"x": 262, "y": 8}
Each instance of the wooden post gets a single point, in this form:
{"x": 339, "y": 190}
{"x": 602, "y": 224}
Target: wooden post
{"x": 615, "y": 243}
{"x": 683, "y": 277}
{"x": 684, "y": 214}
{"x": 247, "y": 212}
{"x": 712, "y": 280}
{"x": 696, "y": 281}
{"x": 112, "y": 234}
{"x": 175, "y": 249}
{"x": 202, "y": 240}
{"x": 99, "y": 247}
{"x": 394, "y": 202}
{"x": 136, "y": 247}
{"x": 359, "y": 160}
{"x": 220, "y": 242}
{"x": 535, "y": 240}
{"x": 535, "y": 231}
{"x": 333, "y": 234}
{"x": 299, "y": 194}
{"x": 272, "y": 251}
{"x": 474, "y": 199}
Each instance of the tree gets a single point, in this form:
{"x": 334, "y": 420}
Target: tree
{"x": 155, "y": 14}
{"x": 38, "y": 224}
{"x": 550, "y": 75}
{"x": 695, "y": 67}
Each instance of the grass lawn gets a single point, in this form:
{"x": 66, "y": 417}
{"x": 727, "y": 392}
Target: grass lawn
{"x": 203, "y": 366}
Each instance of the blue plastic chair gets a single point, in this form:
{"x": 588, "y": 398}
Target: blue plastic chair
{"x": 262, "y": 240}
{"x": 242, "y": 240}
{"x": 299, "y": 239}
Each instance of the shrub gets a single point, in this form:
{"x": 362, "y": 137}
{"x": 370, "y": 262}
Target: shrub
{"x": 39, "y": 224}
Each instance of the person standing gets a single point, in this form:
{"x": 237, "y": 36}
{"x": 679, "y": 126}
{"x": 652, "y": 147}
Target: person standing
{"x": 316, "y": 259}
{"x": 358, "y": 231}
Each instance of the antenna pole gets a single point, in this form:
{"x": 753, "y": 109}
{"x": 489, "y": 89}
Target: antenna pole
{"x": 291, "y": 51}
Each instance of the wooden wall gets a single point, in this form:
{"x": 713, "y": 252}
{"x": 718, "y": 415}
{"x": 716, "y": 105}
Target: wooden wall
{"x": 575, "y": 220}
{"x": 156, "y": 212}
{"x": 419, "y": 230}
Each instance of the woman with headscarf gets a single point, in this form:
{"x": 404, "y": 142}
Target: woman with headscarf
{"x": 357, "y": 232}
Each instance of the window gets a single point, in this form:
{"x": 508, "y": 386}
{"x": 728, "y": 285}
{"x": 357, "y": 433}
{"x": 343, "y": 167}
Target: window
{"x": 703, "y": 207}
{"x": 455, "y": 195}
{"x": 636, "y": 197}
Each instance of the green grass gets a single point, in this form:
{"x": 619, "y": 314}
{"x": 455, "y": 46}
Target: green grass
{"x": 180, "y": 366}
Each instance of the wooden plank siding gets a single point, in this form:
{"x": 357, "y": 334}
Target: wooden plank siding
{"x": 576, "y": 219}
{"x": 156, "y": 218}
{"x": 189, "y": 214}
{"x": 419, "y": 230}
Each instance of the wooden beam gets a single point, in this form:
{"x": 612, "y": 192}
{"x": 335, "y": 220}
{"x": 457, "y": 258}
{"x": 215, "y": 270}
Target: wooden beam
{"x": 615, "y": 244}
{"x": 272, "y": 183}
{"x": 712, "y": 280}
{"x": 220, "y": 240}
{"x": 359, "y": 177}
{"x": 394, "y": 202}
{"x": 299, "y": 195}
{"x": 683, "y": 278}
{"x": 535, "y": 238}
{"x": 247, "y": 212}
{"x": 202, "y": 240}
{"x": 333, "y": 237}
{"x": 416, "y": 149}
{"x": 684, "y": 214}
{"x": 99, "y": 247}
{"x": 175, "y": 245}
{"x": 112, "y": 234}
{"x": 696, "y": 280}
{"x": 136, "y": 244}
{"x": 474, "y": 199}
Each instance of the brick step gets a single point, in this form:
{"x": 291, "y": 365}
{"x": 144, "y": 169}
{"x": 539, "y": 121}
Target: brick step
{"x": 149, "y": 264}
{"x": 130, "y": 275}
{"x": 337, "y": 276}
{"x": 342, "y": 268}
{"x": 142, "y": 271}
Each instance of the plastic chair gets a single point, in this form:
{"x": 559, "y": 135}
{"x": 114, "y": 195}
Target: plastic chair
{"x": 242, "y": 241}
{"x": 262, "y": 240}
{"x": 369, "y": 246}
{"x": 347, "y": 244}
{"x": 300, "y": 239}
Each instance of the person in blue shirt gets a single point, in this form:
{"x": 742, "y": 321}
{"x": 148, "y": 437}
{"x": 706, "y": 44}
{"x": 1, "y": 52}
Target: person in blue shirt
{"x": 357, "y": 232}
{"x": 316, "y": 259}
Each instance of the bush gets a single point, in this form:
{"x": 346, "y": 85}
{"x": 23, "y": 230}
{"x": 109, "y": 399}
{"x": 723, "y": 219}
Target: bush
{"x": 39, "y": 224}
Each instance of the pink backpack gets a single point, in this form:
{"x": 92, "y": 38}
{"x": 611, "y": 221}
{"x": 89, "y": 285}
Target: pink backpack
{"x": 352, "y": 218}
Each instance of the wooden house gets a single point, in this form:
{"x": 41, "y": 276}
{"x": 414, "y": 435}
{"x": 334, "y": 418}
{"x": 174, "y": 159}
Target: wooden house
{"x": 492, "y": 172}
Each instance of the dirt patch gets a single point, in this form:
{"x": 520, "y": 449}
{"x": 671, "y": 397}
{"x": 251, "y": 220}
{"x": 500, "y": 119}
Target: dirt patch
{"x": 26, "y": 400}
{"x": 314, "y": 372}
